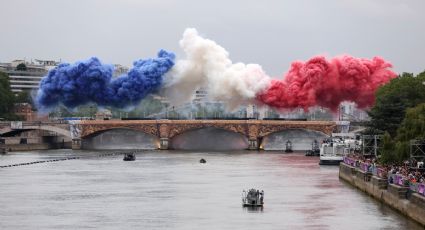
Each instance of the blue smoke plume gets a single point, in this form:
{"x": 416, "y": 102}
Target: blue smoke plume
{"x": 91, "y": 81}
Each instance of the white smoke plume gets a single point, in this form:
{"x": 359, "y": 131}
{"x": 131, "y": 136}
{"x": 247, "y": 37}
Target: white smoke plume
{"x": 207, "y": 65}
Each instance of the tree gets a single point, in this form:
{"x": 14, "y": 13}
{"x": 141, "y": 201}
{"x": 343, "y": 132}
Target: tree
{"x": 21, "y": 67}
{"x": 393, "y": 99}
{"x": 24, "y": 97}
{"x": 6, "y": 98}
{"x": 412, "y": 127}
{"x": 387, "y": 151}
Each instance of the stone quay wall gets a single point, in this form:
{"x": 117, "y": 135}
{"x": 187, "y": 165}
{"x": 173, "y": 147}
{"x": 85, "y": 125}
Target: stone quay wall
{"x": 397, "y": 197}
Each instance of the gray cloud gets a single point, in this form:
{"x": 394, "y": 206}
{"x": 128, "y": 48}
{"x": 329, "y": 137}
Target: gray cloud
{"x": 270, "y": 33}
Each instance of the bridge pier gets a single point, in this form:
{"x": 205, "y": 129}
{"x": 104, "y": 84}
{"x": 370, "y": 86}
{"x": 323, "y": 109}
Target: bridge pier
{"x": 76, "y": 144}
{"x": 253, "y": 144}
{"x": 163, "y": 143}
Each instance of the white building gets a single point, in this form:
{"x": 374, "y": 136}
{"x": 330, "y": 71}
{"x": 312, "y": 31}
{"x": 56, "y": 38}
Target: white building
{"x": 119, "y": 70}
{"x": 350, "y": 112}
{"x": 26, "y": 76}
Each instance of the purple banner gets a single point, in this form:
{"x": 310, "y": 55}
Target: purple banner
{"x": 399, "y": 180}
{"x": 349, "y": 161}
{"x": 421, "y": 189}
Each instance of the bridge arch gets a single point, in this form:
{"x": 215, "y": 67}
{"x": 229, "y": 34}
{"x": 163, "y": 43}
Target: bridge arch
{"x": 301, "y": 139}
{"x": 61, "y": 131}
{"x": 120, "y": 138}
{"x": 93, "y": 130}
{"x": 209, "y": 138}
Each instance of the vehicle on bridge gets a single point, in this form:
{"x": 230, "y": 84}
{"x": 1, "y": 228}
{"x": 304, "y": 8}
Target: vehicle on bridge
{"x": 252, "y": 198}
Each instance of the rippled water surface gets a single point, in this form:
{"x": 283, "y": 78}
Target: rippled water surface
{"x": 171, "y": 190}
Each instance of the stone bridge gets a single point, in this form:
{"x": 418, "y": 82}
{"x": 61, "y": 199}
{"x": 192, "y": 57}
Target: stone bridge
{"x": 14, "y": 127}
{"x": 253, "y": 130}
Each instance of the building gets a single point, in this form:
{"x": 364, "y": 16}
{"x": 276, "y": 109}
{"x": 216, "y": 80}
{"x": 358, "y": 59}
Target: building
{"x": 200, "y": 95}
{"x": 24, "y": 110}
{"x": 26, "y": 76}
{"x": 119, "y": 70}
{"x": 104, "y": 114}
{"x": 349, "y": 112}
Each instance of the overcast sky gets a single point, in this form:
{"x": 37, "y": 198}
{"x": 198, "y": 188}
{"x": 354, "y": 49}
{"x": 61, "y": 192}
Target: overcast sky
{"x": 270, "y": 33}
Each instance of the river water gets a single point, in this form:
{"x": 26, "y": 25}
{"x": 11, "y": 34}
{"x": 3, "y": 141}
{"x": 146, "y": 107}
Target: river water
{"x": 172, "y": 190}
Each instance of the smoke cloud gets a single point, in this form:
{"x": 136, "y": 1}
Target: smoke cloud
{"x": 327, "y": 83}
{"x": 91, "y": 81}
{"x": 208, "y": 65}
{"x": 316, "y": 82}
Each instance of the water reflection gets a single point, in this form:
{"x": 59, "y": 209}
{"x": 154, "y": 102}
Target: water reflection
{"x": 253, "y": 209}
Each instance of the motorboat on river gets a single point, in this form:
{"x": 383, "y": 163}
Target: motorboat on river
{"x": 332, "y": 151}
{"x": 129, "y": 157}
{"x": 252, "y": 198}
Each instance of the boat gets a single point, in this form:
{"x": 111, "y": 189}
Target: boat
{"x": 252, "y": 198}
{"x": 129, "y": 157}
{"x": 332, "y": 151}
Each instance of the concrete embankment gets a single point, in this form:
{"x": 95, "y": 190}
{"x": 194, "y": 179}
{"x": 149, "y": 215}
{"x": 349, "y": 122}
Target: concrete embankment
{"x": 397, "y": 197}
{"x": 36, "y": 146}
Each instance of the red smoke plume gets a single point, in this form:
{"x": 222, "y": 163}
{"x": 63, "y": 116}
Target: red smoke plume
{"x": 327, "y": 83}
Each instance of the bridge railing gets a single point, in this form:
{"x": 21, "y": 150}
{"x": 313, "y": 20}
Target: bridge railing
{"x": 380, "y": 172}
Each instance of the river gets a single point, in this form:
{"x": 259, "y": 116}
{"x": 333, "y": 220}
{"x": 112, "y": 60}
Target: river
{"x": 172, "y": 190}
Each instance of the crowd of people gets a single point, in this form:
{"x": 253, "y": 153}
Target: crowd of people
{"x": 414, "y": 175}
{"x": 414, "y": 171}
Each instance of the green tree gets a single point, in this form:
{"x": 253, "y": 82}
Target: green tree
{"x": 21, "y": 67}
{"x": 6, "y": 98}
{"x": 393, "y": 99}
{"x": 24, "y": 97}
{"x": 412, "y": 127}
{"x": 387, "y": 152}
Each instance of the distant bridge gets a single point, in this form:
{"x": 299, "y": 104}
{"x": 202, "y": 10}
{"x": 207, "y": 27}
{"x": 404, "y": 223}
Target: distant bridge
{"x": 253, "y": 130}
{"x": 15, "y": 127}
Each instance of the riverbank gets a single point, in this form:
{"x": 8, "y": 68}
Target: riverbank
{"x": 397, "y": 197}
{"x": 35, "y": 146}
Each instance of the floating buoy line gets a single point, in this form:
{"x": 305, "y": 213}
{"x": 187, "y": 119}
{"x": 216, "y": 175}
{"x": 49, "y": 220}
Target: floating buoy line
{"x": 63, "y": 159}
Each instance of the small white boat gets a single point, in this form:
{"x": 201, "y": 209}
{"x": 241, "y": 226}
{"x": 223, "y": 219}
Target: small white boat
{"x": 332, "y": 152}
{"x": 252, "y": 198}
